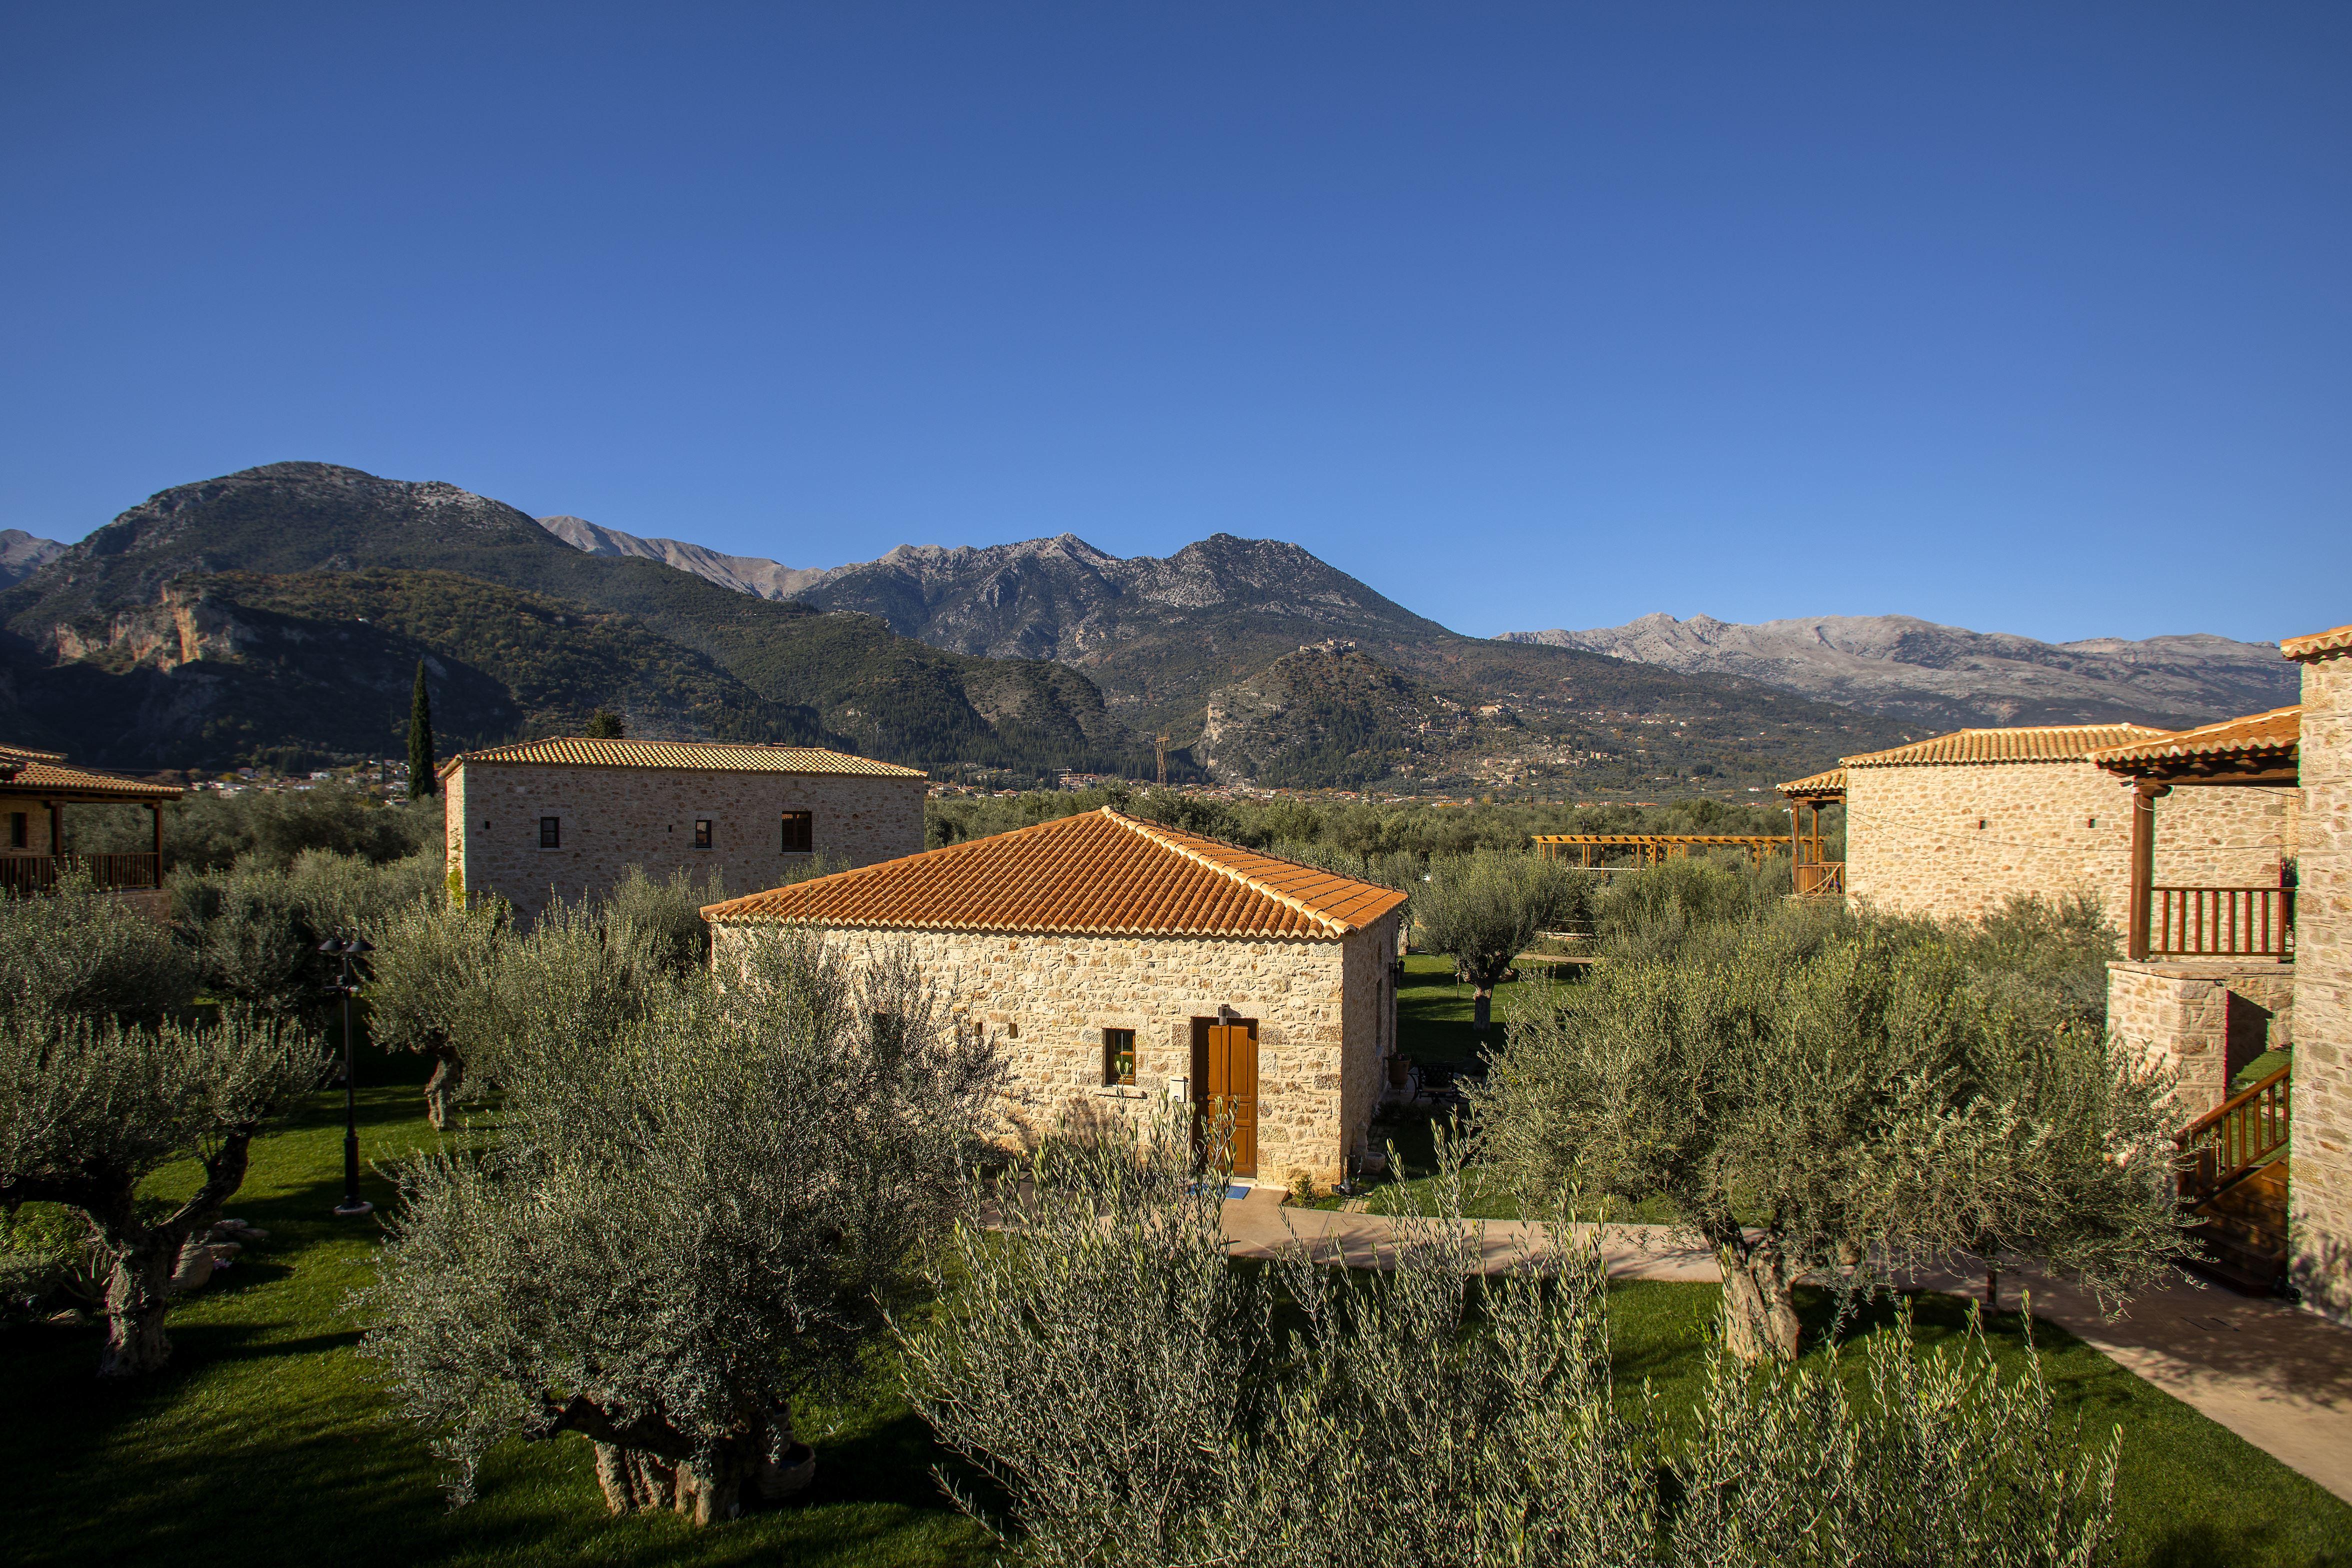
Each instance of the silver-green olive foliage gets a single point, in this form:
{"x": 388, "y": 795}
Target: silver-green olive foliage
{"x": 91, "y": 1107}
{"x": 1136, "y": 1400}
{"x": 1816, "y": 1096}
{"x": 690, "y": 1215}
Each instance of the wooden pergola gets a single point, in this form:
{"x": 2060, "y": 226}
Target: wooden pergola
{"x": 2259, "y": 751}
{"x": 39, "y": 783}
{"x": 1652, "y": 848}
{"x": 1816, "y": 876}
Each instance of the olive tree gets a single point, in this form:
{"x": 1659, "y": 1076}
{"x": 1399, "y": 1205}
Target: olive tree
{"x": 429, "y": 988}
{"x": 1850, "y": 1105}
{"x": 1136, "y": 1402}
{"x": 685, "y": 1222}
{"x": 90, "y": 1107}
{"x": 1483, "y": 909}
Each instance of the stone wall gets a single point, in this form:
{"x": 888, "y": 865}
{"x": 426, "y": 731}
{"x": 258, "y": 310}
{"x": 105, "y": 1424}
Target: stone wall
{"x": 1049, "y": 998}
{"x": 2202, "y": 1018}
{"x": 1954, "y": 841}
{"x": 2320, "y": 1182}
{"x": 613, "y": 818}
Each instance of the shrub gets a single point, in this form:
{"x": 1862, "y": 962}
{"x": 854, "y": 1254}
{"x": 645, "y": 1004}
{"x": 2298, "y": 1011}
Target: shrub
{"x": 81, "y": 952}
{"x": 1126, "y": 1390}
{"x": 430, "y": 989}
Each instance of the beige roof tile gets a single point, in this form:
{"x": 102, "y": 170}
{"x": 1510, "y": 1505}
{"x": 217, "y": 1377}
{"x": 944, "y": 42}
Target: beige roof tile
{"x": 1830, "y": 783}
{"x": 720, "y": 756}
{"x": 2026, "y": 743}
{"x": 2318, "y": 645}
{"x": 2271, "y": 734}
{"x": 26, "y": 772}
{"x": 1099, "y": 873}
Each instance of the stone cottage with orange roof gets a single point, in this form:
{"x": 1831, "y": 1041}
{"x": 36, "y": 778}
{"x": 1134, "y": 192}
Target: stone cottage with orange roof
{"x": 1954, "y": 825}
{"x": 1118, "y": 960}
{"x": 567, "y": 816}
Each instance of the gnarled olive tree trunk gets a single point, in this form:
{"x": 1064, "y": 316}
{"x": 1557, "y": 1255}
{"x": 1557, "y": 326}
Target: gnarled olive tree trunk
{"x": 646, "y": 1464}
{"x": 441, "y": 1089}
{"x": 145, "y": 1256}
{"x": 1759, "y": 1297}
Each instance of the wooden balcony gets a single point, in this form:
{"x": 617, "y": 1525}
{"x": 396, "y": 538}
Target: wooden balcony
{"x": 2220, "y": 923}
{"x": 24, "y": 874}
{"x": 1820, "y": 879}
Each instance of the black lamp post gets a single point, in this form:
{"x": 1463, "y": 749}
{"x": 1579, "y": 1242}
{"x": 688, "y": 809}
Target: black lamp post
{"x": 348, "y": 984}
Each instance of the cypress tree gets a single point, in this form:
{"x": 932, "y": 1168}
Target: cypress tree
{"x": 421, "y": 782}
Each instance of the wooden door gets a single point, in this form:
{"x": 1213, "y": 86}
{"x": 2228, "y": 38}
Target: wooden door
{"x": 1227, "y": 1079}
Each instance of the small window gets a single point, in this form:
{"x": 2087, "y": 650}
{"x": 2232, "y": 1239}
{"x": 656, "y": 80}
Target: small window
{"x": 702, "y": 833}
{"x": 799, "y": 832}
{"x": 1118, "y": 1057}
{"x": 20, "y": 831}
{"x": 551, "y": 833}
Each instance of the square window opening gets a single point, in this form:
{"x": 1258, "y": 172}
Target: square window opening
{"x": 799, "y": 832}
{"x": 1118, "y": 1058}
{"x": 702, "y": 833}
{"x": 551, "y": 833}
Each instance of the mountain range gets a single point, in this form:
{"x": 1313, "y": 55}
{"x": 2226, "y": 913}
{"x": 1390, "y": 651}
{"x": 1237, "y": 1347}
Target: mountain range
{"x": 280, "y": 612}
{"x": 1947, "y": 676}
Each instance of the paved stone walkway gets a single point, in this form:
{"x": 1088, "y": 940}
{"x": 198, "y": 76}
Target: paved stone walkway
{"x": 2279, "y": 1378}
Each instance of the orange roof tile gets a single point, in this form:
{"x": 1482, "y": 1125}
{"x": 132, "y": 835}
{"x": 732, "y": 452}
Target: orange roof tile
{"x": 1830, "y": 783}
{"x": 24, "y": 773}
{"x": 2271, "y": 734}
{"x": 2318, "y": 645}
{"x": 2029, "y": 743}
{"x": 721, "y": 756}
{"x": 1098, "y": 874}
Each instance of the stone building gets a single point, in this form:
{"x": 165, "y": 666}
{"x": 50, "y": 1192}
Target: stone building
{"x": 1117, "y": 961}
{"x": 1953, "y": 826}
{"x": 2320, "y": 1216}
{"x": 567, "y": 818}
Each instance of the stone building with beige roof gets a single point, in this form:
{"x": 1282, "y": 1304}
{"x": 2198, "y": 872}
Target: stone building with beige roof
{"x": 566, "y": 818}
{"x": 1117, "y": 961}
{"x": 1954, "y": 825}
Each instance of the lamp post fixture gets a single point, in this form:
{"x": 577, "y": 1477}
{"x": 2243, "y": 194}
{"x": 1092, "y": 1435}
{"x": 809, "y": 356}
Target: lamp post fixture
{"x": 346, "y": 949}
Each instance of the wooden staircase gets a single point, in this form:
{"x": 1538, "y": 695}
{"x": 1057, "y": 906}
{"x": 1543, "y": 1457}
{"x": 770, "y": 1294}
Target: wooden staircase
{"x": 2233, "y": 1179}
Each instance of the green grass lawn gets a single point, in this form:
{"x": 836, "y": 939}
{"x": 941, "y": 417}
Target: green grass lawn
{"x": 267, "y": 1439}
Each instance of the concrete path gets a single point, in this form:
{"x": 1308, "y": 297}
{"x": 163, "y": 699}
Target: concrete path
{"x": 2279, "y": 1378}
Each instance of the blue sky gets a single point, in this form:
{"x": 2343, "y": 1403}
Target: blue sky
{"x": 2027, "y": 318}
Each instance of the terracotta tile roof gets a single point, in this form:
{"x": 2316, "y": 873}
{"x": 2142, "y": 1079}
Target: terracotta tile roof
{"x": 26, "y": 772}
{"x": 2318, "y": 645}
{"x": 2029, "y": 743}
{"x": 723, "y": 756}
{"x": 1830, "y": 783}
{"x": 2270, "y": 736}
{"x": 1098, "y": 874}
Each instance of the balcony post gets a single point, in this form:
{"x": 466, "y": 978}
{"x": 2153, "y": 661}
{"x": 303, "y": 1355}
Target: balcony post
{"x": 2143, "y": 867}
{"x": 57, "y": 830}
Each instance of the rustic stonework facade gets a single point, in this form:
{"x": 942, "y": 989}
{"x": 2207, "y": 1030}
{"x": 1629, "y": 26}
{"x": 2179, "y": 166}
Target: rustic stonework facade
{"x": 1052, "y": 936}
{"x": 1955, "y": 840}
{"x": 1325, "y": 1013}
{"x": 609, "y": 816}
{"x": 2320, "y": 1183}
{"x": 2202, "y": 1018}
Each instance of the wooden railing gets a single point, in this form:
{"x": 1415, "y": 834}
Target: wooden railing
{"x": 2220, "y": 923}
{"x": 1820, "y": 878}
{"x": 2236, "y": 1137}
{"x": 29, "y": 874}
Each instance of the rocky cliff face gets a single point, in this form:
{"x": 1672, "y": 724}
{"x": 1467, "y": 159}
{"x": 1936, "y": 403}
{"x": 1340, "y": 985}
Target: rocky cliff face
{"x": 744, "y": 573}
{"x": 1936, "y": 675}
